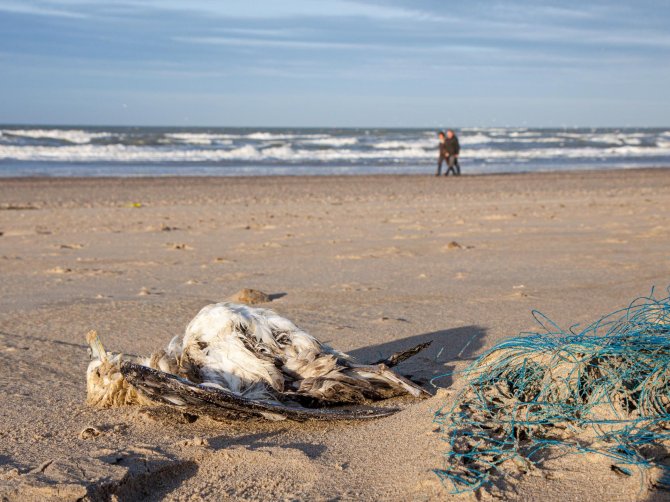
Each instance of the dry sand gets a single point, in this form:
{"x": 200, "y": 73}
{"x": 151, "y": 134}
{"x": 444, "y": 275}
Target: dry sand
{"x": 364, "y": 263}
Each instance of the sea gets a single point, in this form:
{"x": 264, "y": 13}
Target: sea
{"x": 213, "y": 151}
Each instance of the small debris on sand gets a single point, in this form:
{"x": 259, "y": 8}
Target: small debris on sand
{"x": 387, "y": 318}
{"x": 144, "y": 291}
{"x": 251, "y": 296}
{"x": 17, "y": 207}
{"x": 180, "y": 246}
{"x": 196, "y": 441}
{"x": 455, "y": 245}
{"x": 89, "y": 432}
{"x": 59, "y": 270}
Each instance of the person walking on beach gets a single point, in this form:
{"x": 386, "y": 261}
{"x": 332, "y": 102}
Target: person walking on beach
{"x": 442, "y": 155}
{"x": 452, "y": 149}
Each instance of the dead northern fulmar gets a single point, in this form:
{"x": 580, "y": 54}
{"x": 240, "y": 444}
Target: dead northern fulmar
{"x": 238, "y": 361}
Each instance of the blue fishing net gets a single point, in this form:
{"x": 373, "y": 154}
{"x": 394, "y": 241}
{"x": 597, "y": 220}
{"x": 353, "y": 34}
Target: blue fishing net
{"x": 604, "y": 389}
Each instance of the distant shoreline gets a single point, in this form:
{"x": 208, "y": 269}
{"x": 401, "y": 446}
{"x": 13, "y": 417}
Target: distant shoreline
{"x": 359, "y": 176}
{"x": 325, "y": 127}
{"x": 112, "y": 152}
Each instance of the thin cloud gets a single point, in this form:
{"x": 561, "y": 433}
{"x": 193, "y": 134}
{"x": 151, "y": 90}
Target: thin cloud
{"x": 260, "y": 9}
{"x": 321, "y": 45}
{"x": 262, "y": 32}
{"x": 38, "y": 10}
{"x": 284, "y": 44}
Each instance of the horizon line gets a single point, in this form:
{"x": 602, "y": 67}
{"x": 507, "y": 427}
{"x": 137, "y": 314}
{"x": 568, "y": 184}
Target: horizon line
{"x": 436, "y": 128}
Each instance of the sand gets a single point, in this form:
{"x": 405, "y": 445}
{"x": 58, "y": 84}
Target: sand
{"x": 368, "y": 264}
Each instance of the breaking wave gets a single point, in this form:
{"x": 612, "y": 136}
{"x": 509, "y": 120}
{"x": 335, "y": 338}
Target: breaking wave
{"x": 39, "y": 149}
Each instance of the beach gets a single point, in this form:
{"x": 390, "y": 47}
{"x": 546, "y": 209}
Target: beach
{"x": 367, "y": 264}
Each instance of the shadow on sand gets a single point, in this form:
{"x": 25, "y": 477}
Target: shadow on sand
{"x": 265, "y": 440}
{"x": 448, "y": 346}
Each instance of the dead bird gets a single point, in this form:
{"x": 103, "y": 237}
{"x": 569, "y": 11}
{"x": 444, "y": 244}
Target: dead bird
{"x": 238, "y": 361}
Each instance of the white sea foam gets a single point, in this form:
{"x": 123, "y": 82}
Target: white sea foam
{"x": 330, "y": 141}
{"x": 285, "y": 153}
{"x": 396, "y": 144}
{"x": 121, "y": 153}
{"x": 202, "y": 138}
{"x": 475, "y": 139}
{"x": 609, "y": 138}
{"x": 270, "y": 136}
{"x": 70, "y": 135}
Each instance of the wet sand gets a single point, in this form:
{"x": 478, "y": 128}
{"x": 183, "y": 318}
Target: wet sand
{"x": 368, "y": 264}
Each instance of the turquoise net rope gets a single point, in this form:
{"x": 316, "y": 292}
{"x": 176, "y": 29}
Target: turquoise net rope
{"x": 605, "y": 390}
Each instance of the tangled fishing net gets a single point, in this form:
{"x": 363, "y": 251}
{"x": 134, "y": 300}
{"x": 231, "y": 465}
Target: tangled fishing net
{"x": 603, "y": 390}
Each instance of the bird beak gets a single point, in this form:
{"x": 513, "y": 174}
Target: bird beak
{"x": 97, "y": 351}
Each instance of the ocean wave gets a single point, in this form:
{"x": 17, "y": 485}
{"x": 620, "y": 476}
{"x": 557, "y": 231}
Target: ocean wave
{"x": 122, "y": 153}
{"x": 586, "y": 153}
{"x": 329, "y": 141}
{"x": 286, "y": 153}
{"x": 611, "y": 138}
{"x": 271, "y": 136}
{"x": 396, "y": 144}
{"x": 77, "y": 136}
{"x": 475, "y": 139}
{"x": 201, "y": 138}
{"x": 525, "y": 134}
{"x": 47, "y": 150}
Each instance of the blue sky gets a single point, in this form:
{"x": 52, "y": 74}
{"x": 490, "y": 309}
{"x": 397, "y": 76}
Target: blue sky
{"x": 335, "y": 63}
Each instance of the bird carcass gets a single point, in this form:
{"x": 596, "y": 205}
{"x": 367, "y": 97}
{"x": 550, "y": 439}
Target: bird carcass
{"x": 235, "y": 361}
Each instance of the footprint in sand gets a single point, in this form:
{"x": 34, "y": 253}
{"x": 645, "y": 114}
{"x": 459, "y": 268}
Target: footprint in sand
{"x": 408, "y": 237}
{"x": 385, "y": 319}
{"x": 378, "y": 253}
{"x": 271, "y": 244}
{"x": 69, "y": 246}
{"x": 144, "y": 291}
{"x": 358, "y": 287}
{"x": 180, "y": 246}
{"x": 83, "y": 271}
{"x": 17, "y": 207}
{"x": 499, "y": 217}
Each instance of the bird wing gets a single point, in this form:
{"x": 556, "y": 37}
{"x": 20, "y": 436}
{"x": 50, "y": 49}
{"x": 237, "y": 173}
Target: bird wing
{"x": 215, "y": 402}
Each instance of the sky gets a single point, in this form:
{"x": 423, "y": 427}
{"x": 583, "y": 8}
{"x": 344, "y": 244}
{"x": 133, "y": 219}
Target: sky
{"x": 349, "y": 63}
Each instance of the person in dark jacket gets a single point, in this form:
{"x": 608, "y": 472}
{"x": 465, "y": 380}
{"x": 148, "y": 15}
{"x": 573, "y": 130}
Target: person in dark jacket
{"x": 442, "y": 155}
{"x": 452, "y": 149}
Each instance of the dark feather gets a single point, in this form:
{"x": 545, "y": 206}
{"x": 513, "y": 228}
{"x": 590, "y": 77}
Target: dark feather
{"x": 403, "y": 355}
{"x": 219, "y": 403}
